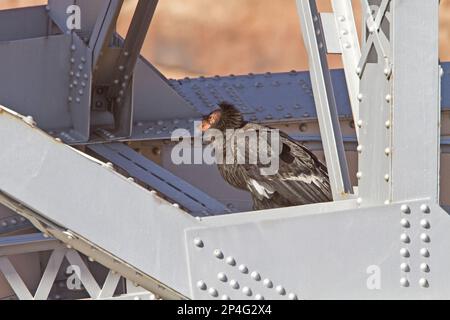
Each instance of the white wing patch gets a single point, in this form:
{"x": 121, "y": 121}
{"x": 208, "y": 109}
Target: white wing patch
{"x": 262, "y": 191}
{"x": 304, "y": 178}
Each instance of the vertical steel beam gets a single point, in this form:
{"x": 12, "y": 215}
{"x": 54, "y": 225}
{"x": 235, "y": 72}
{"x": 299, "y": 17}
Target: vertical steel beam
{"x": 351, "y": 51}
{"x": 325, "y": 99}
{"x": 416, "y": 110}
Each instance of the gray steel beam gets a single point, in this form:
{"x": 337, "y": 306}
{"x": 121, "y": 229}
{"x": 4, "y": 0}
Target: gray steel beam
{"x": 325, "y": 99}
{"x": 415, "y": 102}
{"x": 195, "y": 201}
{"x": 28, "y": 243}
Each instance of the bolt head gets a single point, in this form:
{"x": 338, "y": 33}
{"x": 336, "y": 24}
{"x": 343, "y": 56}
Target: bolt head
{"x": 222, "y": 277}
{"x": 256, "y": 276}
{"x": 213, "y": 292}
{"x": 359, "y": 148}
{"x": 268, "y": 283}
{"x": 404, "y": 267}
{"x": 424, "y": 252}
{"x": 231, "y": 261}
{"x": 404, "y": 252}
{"x": 405, "y": 238}
{"x": 218, "y": 254}
{"x": 424, "y": 283}
{"x": 198, "y": 243}
{"x": 234, "y": 284}
{"x": 280, "y": 290}
{"x": 425, "y": 224}
{"x": 405, "y": 223}
{"x": 424, "y": 237}
{"x": 405, "y": 209}
{"x": 243, "y": 268}
{"x": 404, "y": 282}
{"x": 201, "y": 285}
{"x": 247, "y": 291}
{"x": 424, "y": 208}
{"x": 292, "y": 296}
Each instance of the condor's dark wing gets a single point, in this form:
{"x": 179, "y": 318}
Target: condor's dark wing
{"x": 301, "y": 178}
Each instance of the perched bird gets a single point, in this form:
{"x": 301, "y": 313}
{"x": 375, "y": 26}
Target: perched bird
{"x": 300, "y": 179}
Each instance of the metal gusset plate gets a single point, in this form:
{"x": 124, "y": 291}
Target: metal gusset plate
{"x": 137, "y": 166}
{"x": 269, "y": 97}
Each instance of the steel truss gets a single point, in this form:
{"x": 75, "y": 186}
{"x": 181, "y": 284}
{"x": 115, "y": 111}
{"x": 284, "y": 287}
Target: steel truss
{"x": 385, "y": 239}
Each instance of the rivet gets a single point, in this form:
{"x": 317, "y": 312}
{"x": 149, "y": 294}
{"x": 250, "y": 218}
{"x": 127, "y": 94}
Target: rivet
{"x": 404, "y": 282}
{"x": 347, "y": 45}
{"x": 359, "y": 201}
{"x": 222, "y": 277}
{"x": 387, "y": 202}
{"x": 387, "y": 124}
{"x": 425, "y": 224}
{"x": 201, "y": 285}
{"x": 231, "y": 261}
{"x": 359, "y": 123}
{"x": 280, "y": 290}
{"x": 234, "y": 284}
{"x": 404, "y": 267}
{"x": 358, "y": 71}
{"x": 404, "y": 238}
{"x": 387, "y": 151}
{"x": 424, "y": 267}
{"x": 359, "y": 148}
{"x": 243, "y": 268}
{"x": 267, "y": 283}
{"x": 360, "y": 97}
{"x": 386, "y": 177}
{"x": 405, "y": 223}
{"x": 341, "y": 18}
{"x": 404, "y": 252}
{"x": 176, "y": 205}
{"x": 218, "y": 254}
{"x": 387, "y": 71}
{"x": 388, "y": 98}
{"x": 359, "y": 175}
{"x": 225, "y": 297}
{"x": 292, "y": 296}
{"x": 424, "y": 283}
{"x": 424, "y": 208}
{"x": 247, "y": 291}
{"x": 91, "y": 259}
{"x": 405, "y": 209}
{"x": 424, "y": 252}
{"x": 259, "y": 297}
{"x": 256, "y": 276}
{"x": 424, "y": 237}
{"x": 213, "y": 292}
{"x": 198, "y": 243}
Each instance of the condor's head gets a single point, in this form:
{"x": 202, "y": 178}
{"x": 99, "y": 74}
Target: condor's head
{"x": 226, "y": 117}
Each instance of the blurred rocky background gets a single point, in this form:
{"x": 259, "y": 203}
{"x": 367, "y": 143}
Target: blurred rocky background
{"x": 204, "y": 37}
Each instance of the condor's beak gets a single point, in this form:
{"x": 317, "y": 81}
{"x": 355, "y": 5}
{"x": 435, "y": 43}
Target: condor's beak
{"x": 204, "y": 126}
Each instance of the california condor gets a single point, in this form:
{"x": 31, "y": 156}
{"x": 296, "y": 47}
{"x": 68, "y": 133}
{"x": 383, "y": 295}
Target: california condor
{"x": 301, "y": 178}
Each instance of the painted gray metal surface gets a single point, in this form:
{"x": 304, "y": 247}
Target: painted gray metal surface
{"x": 325, "y": 100}
{"x": 300, "y": 253}
{"x": 193, "y": 200}
{"x": 120, "y": 204}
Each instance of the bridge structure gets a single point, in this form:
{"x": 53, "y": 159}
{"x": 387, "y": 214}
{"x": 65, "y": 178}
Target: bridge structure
{"x": 92, "y": 207}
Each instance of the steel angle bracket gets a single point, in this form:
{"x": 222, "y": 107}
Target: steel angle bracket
{"x": 324, "y": 251}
